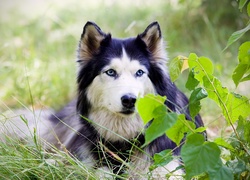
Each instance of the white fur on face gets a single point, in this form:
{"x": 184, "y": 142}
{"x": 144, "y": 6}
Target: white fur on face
{"x": 105, "y": 94}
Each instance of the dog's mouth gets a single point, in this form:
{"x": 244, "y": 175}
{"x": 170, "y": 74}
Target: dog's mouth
{"x": 128, "y": 111}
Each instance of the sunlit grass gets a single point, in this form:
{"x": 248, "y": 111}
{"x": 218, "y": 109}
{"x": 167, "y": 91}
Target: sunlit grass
{"x": 27, "y": 161}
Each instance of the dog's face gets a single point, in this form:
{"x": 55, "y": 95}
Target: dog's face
{"x": 113, "y": 73}
{"x": 119, "y": 84}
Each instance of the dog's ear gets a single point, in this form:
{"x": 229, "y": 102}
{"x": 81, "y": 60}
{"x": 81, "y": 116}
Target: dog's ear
{"x": 153, "y": 39}
{"x": 90, "y": 42}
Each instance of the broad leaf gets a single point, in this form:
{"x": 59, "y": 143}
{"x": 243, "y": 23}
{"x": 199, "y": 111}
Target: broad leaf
{"x": 221, "y": 142}
{"x": 223, "y": 173}
{"x": 232, "y": 105}
{"x": 177, "y": 132}
{"x": 161, "y": 123}
{"x": 199, "y": 156}
{"x": 244, "y": 53}
{"x": 242, "y": 3}
{"x": 239, "y": 72}
{"x": 201, "y": 66}
{"x": 175, "y": 67}
{"x": 162, "y": 158}
{"x": 237, "y": 35}
{"x": 194, "y": 101}
{"x": 200, "y": 129}
{"x": 244, "y": 64}
{"x": 246, "y": 78}
{"x": 147, "y": 105}
{"x": 185, "y": 64}
{"x": 191, "y": 82}
{"x": 243, "y": 129}
{"x": 238, "y": 167}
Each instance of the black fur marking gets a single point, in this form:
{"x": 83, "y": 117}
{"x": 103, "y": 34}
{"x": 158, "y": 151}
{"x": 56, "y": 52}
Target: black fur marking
{"x": 105, "y": 152}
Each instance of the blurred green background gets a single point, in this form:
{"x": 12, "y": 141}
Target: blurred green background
{"x": 39, "y": 40}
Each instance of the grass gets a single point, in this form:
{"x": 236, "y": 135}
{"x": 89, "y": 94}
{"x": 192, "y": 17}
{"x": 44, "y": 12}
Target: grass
{"x": 20, "y": 161}
{"x": 38, "y": 69}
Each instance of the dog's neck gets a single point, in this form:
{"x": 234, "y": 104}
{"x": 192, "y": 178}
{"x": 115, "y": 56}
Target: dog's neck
{"x": 114, "y": 127}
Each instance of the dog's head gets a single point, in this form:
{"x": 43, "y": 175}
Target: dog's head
{"x": 113, "y": 73}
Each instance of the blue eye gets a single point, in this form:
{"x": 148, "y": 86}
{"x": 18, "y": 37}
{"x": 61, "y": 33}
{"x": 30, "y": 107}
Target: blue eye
{"x": 111, "y": 72}
{"x": 139, "y": 73}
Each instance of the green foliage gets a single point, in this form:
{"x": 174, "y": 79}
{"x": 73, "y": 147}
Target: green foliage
{"x": 177, "y": 132}
{"x": 152, "y": 102}
{"x": 162, "y": 158}
{"x": 191, "y": 82}
{"x": 237, "y": 35}
{"x": 232, "y": 105}
{"x": 242, "y": 3}
{"x": 204, "y": 159}
{"x": 161, "y": 123}
{"x": 152, "y": 107}
{"x": 175, "y": 65}
{"x": 242, "y": 71}
{"x": 194, "y": 105}
{"x": 201, "y": 66}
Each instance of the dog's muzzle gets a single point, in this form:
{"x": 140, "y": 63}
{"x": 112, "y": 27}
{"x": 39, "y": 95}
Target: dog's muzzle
{"x": 128, "y": 103}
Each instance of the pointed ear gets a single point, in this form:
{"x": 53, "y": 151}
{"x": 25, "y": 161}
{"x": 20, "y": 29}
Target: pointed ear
{"x": 153, "y": 40}
{"x": 90, "y": 41}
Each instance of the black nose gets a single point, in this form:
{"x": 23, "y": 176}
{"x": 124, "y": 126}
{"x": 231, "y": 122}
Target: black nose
{"x": 128, "y": 101}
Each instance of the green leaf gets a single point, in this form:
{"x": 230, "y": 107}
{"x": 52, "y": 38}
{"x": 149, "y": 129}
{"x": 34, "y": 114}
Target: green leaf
{"x": 239, "y": 72}
{"x": 160, "y": 125}
{"x": 175, "y": 66}
{"x": 200, "y": 129}
{"x": 243, "y": 130}
{"x": 244, "y": 64}
{"x": 197, "y": 95}
{"x": 147, "y": 105}
{"x": 237, "y": 35}
{"x": 232, "y": 104}
{"x": 246, "y": 78}
{"x": 177, "y": 132}
{"x": 221, "y": 142}
{"x": 194, "y": 101}
{"x": 201, "y": 66}
{"x": 242, "y": 3}
{"x": 223, "y": 173}
{"x": 199, "y": 156}
{"x": 244, "y": 53}
{"x": 162, "y": 158}
{"x": 191, "y": 82}
{"x": 238, "y": 167}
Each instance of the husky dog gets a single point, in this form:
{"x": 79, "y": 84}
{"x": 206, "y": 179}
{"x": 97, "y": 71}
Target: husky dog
{"x": 102, "y": 127}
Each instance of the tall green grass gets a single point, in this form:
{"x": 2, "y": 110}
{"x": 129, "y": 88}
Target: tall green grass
{"x": 26, "y": 161}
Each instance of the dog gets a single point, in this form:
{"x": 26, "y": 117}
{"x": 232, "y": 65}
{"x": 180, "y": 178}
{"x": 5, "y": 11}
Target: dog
{"x": 102, "y": 127}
